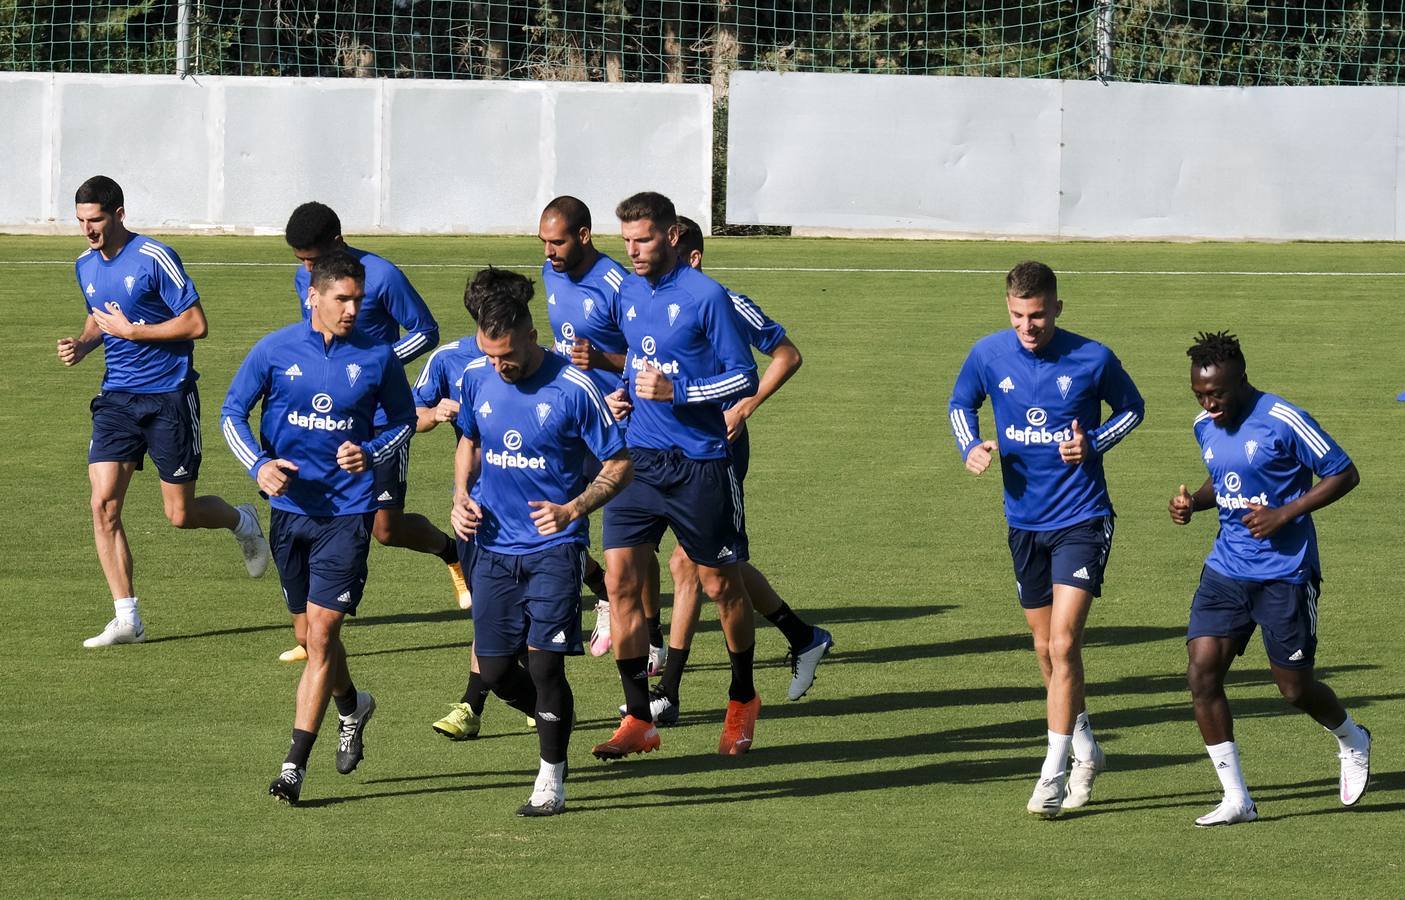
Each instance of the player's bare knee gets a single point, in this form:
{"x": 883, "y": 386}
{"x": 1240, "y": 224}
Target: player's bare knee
{"x": 1204, "y": 681}
{"x": 621, "y": 583}
{"x": 683, "y": 569}
{"x": 1294, "y": 690}
{"x": 1064, "y": 651}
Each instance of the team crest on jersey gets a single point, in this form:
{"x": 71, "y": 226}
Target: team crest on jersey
{"x": 293, "y": 371}
{"x": 1006, "y": 385}
{"x": 587, "y": 304}
{"x": 1249, "y": 448}
{"x": 486, "y": 409}
{"x": 629, "y": 315}
{"x": 1064, "y": 382}
{"x": 1209, "y": 454}
{"x": 353, "y": 372}
{"x": 130, "y": 281}
{"x": 543, "y": 410}
{"x": 90, "y": 291}
{"x": 673, "y": 310}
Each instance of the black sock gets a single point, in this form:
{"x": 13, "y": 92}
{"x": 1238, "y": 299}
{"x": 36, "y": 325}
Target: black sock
{"x": 672, "y": 679}
{"x": 450, "y": 553}
{"x": 476, "y": 694}
{"x": 302, "y": 748}
{"x": 508, "y": 678}
{"x": 346, "y": 704}
{"x": 595, "y": 580}
{"x": 797, "y": 632}
{"x": 742, "y": 689}
{"x": 635, "y": 678}
{"x": 655, "y": 631}
{"x": 555, "y": 704}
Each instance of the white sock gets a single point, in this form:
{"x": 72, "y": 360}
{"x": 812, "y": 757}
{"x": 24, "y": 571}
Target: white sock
{"x": 245, "y": 526}
{"x": 551, "y": 773}
{"x": 126, "y": 609}
{"x": 1056, "y": 760}
{"x": 1084, "y": 744}
{"x": 1349, "y": 735}
{"x": 1226, "y": 759}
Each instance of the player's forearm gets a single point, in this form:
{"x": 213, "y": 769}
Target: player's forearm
{"x": 615, "y": 473}
{"x": 188, "y": 326}
{"x": 609, "y": 362}
{"x": 415, "y": 343}
{"x": 240, "y": 438}
{"x": 424, "y": 419}
{"x": 785, "y": 362}
{"x": 1324, "y": 493}
{"x": 384, "y": 445}
{"x": 734, "y": 384}
{"x": 965, "y": 427}
{"x": 1117, "y": 427}
{"x": 1204, "y": 496}
{"x": 466, "y": 461}
{"x": 91, "y": 335}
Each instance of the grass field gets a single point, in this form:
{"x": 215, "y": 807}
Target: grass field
{"x": 141, "y": 771}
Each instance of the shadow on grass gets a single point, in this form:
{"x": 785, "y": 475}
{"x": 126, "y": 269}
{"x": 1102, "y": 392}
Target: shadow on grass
{"x": 220, "y": 632}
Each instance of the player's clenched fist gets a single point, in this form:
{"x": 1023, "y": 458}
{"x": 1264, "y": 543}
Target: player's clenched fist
{"x": 1182, "y": 506}
{"x": 275, "y": 476}
{"x": 465, "y": 516}
{"x": 978, "y": 460}
{"x": 651, "y": 384}
{"x": 71, "y": 351}
{"x": 351, "y": 458}
{"x": 446, "y": 410}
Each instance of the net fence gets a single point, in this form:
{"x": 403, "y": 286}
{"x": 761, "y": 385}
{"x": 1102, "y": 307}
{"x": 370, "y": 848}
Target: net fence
{"x": 1232, "y": 42}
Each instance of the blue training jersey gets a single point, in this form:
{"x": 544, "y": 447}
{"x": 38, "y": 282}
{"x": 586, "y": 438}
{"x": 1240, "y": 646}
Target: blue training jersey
{"x": 1268, "y": 459}
{"x": 535, "y": 436}
{"x": 569, "y": 304}
{"x": 1035, "y": 399}
{"x": 684, "y": 325}
{"x": 442, "y": 375}
{"x": 391, "y": 303}
{"x": 316, "y": 396}
{"x": 760, "y": 330}
{"x": 147, "y": 280}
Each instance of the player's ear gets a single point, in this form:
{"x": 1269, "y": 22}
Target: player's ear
{"x": 674, "y": 232}
{"x": 1058, "y": 307}
{"x": 695, "y": 259}
{"x": 120, "y": 214}
{"x": 583, "y": 235}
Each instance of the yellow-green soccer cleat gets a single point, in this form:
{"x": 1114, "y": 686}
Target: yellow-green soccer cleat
{"x": 460, "y": 724}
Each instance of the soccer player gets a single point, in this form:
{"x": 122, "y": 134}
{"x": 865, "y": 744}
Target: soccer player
{"x": 1047, "y": 387}
{"x": 319, "y": 384}
{"x": 686, "y": 358}
{"x": 528, "y": 418}
{"x": 577, "y": 278}
{"x": 808, "y": 644}
{"x": 391, "y": 304}
{"x": 143, "y": 309}
{"x": 1262, "y": 453}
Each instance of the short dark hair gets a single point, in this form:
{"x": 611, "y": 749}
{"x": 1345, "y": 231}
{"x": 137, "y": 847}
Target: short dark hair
{"x": 312, "y": 225}
{"x": 690, "y": 236}
{"x": 574, "y": 211}
{"x": 335, "y": 266}
{"x": 647, "y": 205}
{"x": 101, "y": 190}
{"x": 1215, "y": 350}
{"x": 499, "y": 301}
{"x": 1031, "y": 279}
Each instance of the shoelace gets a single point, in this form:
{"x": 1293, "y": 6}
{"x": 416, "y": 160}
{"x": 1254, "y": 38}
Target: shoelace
{"x": 346, "y": 732}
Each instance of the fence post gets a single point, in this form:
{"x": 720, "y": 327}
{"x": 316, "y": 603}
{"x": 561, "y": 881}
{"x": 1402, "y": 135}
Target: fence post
{"x": 1103, "y": 31}
{"x": 183, "y": 38}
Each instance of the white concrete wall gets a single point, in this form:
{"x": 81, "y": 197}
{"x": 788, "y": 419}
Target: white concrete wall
{"x": 391, "y": 156}
{"x": 978, "y": 156}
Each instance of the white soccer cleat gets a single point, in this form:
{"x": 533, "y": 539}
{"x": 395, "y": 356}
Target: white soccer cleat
{"x": 1047, "y": 801}
{"x": 1356, "y": 771}
{"x": 118, "y": 631}
{"x": 1081, "y": 777}
{"x": 658, "y": 658}
{"x": 600, "y": 637}
{"x": 1229, "y": 812}
{"x": 804, "y": 663}
{"x": 548, "y": 799}
{"x": 252, "y": 543}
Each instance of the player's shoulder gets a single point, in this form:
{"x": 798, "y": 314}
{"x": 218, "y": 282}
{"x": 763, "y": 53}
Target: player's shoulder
{"x": 1083, "y": 347}
{"x": 995, "y": 345}
{"x": 608, "y": 272}
{"x": 287, "y": 336}
{"x": 701, "y": 286}
{"x": 1284, "y": 415}
{"x": 1201, "y": 425}
{"x": 378, "y": 268}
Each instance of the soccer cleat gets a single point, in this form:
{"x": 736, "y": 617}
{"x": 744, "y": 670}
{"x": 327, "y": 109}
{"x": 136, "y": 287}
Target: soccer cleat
{"x": 460, "y": 724}
{"x": 118, "y": 631}
{"x": 350, "y": 732}
{"x": 633, "y": 736}
{"x": 1356, "y": 771}
{"x": 288, "y": 785}
{"x": 548, "y": 799}
{"x": 460, "y": 586}
{"x": 804, "y": 663}
{"x": 297, "y": 654}
{"x": 664, "y": 710}
{"x": 1047, "y": 801}
{"x": 1229, "y": 812}
{"x": 739, "y": 728}
{"x": 600, "y": 637}
{"x": 1081, "y": 777}
{"x": 252, "y": 542}
{"x": 658, "y": 657}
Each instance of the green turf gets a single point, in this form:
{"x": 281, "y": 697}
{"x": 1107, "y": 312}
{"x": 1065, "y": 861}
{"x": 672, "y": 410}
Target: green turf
{"x": 141, "y": 771}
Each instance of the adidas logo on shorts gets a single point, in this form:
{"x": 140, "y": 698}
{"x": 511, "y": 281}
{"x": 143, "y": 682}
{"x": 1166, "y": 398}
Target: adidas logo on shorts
{"x": 179, "y": 472}
{"x": 345, "y": 597}
{"x": 385, "y": 495}
{"x": 559, "y": 637}
{"x": 726, "y": 552}
{"x": 1082, "y": 573}
{"x": 1297, "y": 656}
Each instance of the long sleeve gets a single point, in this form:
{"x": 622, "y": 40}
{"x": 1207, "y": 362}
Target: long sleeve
{"x": 738, "y": 378}
{"x": 408, "y": 308}
{"x": 1128, "y": 408}
{"x": 967, "y": 396}
{"x": 250, "y": 384}
{"x": 394, "y": 397}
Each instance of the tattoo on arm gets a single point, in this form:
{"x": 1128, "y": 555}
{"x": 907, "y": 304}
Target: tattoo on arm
{"x": 613, "y": 477}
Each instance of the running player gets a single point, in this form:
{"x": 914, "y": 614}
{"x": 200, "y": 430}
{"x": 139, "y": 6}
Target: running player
{"x": 686, "y": 357}
{"x": 528, "y": 418}
{"x": 1047, "y": 387}
{"x": 142, "y": 307}
{"x": 391, "y": 304}
{"x": 319, "y": 385}
{"x": 1262, "y": 453}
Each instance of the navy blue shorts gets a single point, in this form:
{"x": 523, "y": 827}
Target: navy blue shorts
{"x": 1075, "y": 556}
{"x": 468, "y": 552}
{"x": 392, "y": 478}
{"x": 321, "y": 559}
{"x": 700, "y": 499}
{"x": 128, "y": 426}
{"x": 533, "y": 600}
{"x": 741, "y": 454}
{"x": 1285, "y": 610}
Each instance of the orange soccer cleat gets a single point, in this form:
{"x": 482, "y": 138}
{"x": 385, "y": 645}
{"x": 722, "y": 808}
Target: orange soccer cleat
{"x": 740, "y": 726}
{"x": 633, "y": 736}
